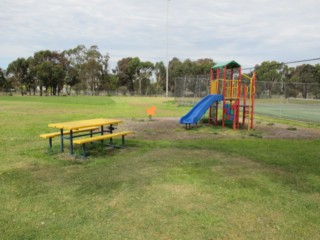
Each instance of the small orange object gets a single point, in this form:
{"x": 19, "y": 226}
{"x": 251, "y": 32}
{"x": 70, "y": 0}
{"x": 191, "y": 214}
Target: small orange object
{"x": 151, "y": 111}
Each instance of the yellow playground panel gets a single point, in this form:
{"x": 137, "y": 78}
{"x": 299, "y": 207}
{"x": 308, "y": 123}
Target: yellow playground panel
{"x": 238, "y": 92}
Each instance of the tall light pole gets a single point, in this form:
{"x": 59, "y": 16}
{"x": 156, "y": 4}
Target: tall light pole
{"x": 167, "y": 51}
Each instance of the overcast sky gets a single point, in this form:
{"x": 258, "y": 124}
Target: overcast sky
{"x": 248, "y": 31}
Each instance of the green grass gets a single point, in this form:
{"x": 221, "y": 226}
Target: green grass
{"x": 226, "y": 188}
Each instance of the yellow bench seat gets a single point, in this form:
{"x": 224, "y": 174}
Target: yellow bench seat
{"x": 83, "y": 141}
{"x": 55, "y": 134}
{"x": 101, "y": 137}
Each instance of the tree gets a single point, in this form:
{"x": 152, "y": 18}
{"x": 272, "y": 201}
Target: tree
{"x": 316, "y": 90}
{"x": 305, "y": 74}
{"x": 122, "y": 73}
{"x": 72, "y": 78}
{"x": 93, "y": 69}
{"x": 18, "y": 72}
{"x": 88, "y": 69}
{"x": 289, "y": 87}
{"x": 203, "y": 66}
{"x": 75, "y": 76}
{"x": 107, "y": 81}
{"x": 93, "y": 73}
{"x": 198, "y": 69}
{"x": 269, "y": 75}
{"x": 31, "y": 83}
{"x": 144, "y": 73}
{"x": 50, "y": 69}
{"x": 2, "y": 79}
{"x": 175, "y": 70}
{"x": 160, "y": 74}
{"x": 134, "y": 66}
{"x": 127, "y": 70}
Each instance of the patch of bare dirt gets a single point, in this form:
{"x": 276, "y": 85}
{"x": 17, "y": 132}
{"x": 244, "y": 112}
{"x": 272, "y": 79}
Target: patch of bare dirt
{"x": 283, "y": 131}
{"x": 170, "y": 129}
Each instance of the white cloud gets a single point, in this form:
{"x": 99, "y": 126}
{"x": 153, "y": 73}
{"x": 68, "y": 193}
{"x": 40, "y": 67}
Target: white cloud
{"x": 249, "y": 31}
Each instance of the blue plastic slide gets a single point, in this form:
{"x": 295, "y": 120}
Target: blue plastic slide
{"x": 194, "y": 115}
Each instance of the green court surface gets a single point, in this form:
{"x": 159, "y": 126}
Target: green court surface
{"x": 301, "y": 112}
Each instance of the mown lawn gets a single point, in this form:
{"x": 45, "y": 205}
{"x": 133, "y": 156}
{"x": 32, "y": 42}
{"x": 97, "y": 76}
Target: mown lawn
{"x": 160, "y": 189}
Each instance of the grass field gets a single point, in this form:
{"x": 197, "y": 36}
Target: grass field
{"x": 237, "y": 188}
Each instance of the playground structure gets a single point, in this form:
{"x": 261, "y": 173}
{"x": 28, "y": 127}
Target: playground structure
{"x": 234, "y": 89}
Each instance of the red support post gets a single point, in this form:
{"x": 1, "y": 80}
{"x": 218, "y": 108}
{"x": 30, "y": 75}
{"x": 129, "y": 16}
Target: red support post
{"x": 224, "y": 91}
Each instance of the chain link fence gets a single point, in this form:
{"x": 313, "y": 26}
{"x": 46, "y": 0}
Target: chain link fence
{"x": 189, "y": 90}
{"x": 296, "y": 101}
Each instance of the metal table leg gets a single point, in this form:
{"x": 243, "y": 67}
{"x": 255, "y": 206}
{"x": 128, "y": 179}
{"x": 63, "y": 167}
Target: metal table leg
{"x": 61, "y": 140}
{"x": 71, "y": 142}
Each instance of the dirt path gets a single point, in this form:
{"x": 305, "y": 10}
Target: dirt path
{"x": 170, "y": 129}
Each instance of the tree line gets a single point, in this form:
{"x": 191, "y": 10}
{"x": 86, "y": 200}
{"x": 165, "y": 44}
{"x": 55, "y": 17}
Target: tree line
{"x": 87, "y": 70}
{"x": 280, "y": 79}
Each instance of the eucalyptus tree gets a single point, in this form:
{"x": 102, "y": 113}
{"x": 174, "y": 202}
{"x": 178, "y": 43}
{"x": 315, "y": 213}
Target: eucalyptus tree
{"x": 269, "y": 76}
{"x": 289, "y": 87}
{"x": 199, "y": 70}
{"x": 107, "y": 82}
{"x": 123, "y": 74}
{"x": 88, "y": 68}
{"x": 93, "y": 69}
{"x": 75, "y": 75}
{"x": 127, "y": 70}
{"x": 306, "y": 76}
{"x": 189, "y": 68}
{"x": 175, "y": 70}
{"x": 160, "y": 75}
{"x": 134, "y": 66}
{"x": 31, "y": 83}
{"x": 144, "y": 74}
{"x": 17, "y": 71}
{"x": 72, "y": 79}
{"x": 50, "y": 68}
{"x": 3, "y": 80}
{"x": 202, "y": 66}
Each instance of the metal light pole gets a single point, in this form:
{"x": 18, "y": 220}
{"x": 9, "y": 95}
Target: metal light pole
{"x": 167, "y": 51}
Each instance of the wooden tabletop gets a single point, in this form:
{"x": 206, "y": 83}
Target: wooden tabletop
{"x": 73, "y": 125}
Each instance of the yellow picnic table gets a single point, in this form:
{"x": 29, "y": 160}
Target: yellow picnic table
{"x": 77, "y": 125}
